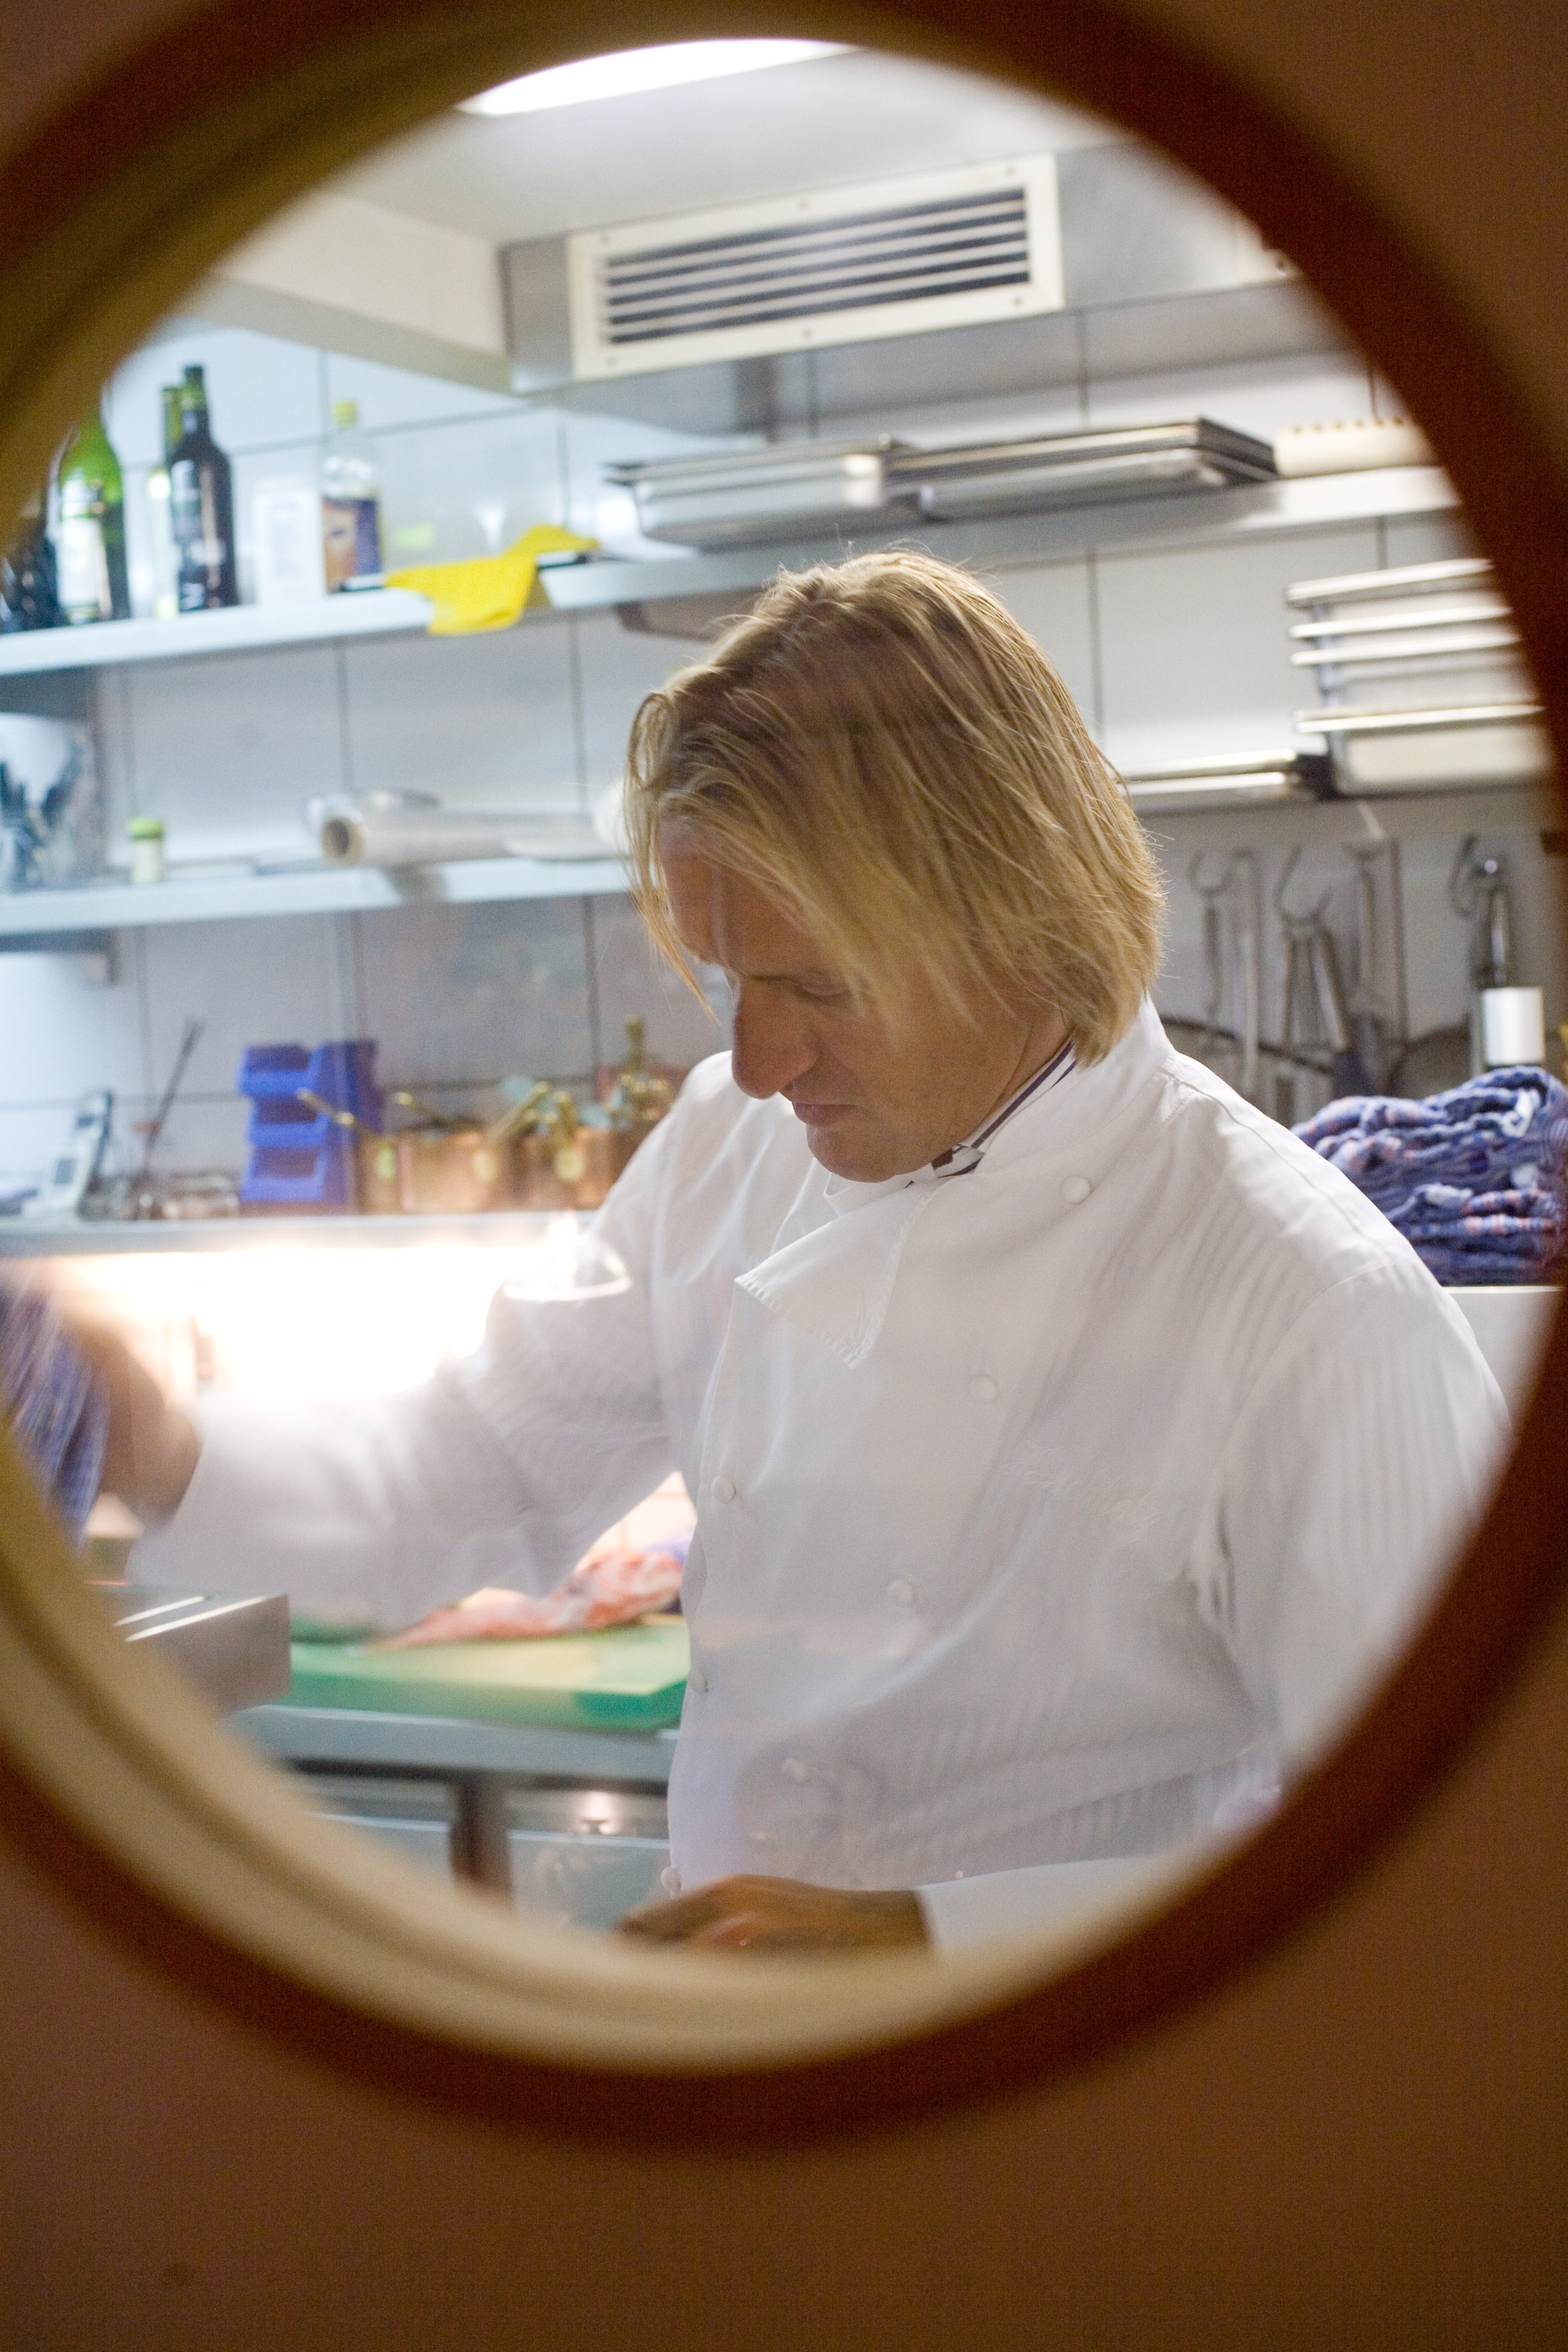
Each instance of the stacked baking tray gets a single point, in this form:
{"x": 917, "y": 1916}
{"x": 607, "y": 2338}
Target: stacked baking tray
{"x": 1252, "y": 781}
{"x": 1064, "y": 470}
{"x": 797, "y": 490}
{"x": 738, "y": 498}
{"x": 1422, "y": 684}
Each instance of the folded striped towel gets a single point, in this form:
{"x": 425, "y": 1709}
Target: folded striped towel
{"x": 1473, "y": 1178}
{"x": 50, "y": 1396}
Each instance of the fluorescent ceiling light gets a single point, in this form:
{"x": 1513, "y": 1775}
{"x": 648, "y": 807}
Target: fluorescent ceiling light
{"x": 628, "y": 70}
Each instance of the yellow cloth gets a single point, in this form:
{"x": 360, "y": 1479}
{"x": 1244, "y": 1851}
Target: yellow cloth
{"x": 489, "y": 591}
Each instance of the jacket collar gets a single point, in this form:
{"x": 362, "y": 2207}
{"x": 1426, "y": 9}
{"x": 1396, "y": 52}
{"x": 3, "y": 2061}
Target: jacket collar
{"x": 835, "y": 1281}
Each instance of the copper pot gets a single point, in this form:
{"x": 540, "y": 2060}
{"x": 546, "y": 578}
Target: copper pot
{"x": 449, "y": 1171}
{"x": 547, "y": 1175}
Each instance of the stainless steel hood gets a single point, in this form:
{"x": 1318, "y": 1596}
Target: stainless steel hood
{"x": 1156, "y": 273}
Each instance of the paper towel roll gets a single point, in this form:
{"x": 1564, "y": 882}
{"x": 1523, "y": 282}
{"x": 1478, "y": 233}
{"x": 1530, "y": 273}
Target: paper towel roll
{"x": 1513, "y": 1026}
{"x": 356, "y": 833}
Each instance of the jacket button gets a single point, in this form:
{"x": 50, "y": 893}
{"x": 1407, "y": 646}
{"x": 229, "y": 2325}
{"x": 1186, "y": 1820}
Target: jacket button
{"x": 794, "y": 1769}
{"x": 1076, "y": 1189}
{"x": 670, "y": 1880}
{"x": 984, "y": 1388}
{"x": 698, "y": 1679}
{"x": 723, "y": 1490}
{"x": 902, "y": 1591}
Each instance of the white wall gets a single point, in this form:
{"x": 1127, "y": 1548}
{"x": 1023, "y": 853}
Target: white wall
{"x": 1173, "y": 653}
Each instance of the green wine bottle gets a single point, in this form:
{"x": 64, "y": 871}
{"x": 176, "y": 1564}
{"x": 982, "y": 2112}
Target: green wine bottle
{"x": 90, "y": 528}
{"x": 162, "y": 555}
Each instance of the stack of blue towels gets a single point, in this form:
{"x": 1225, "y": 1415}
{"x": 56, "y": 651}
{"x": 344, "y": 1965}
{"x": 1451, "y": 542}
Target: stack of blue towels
{"x": 1473, "y": 1178}
{"x": 50, "y": 1396}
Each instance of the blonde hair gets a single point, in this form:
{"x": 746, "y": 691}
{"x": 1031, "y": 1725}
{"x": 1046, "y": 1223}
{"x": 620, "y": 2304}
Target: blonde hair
{"x": 883, "y": 748}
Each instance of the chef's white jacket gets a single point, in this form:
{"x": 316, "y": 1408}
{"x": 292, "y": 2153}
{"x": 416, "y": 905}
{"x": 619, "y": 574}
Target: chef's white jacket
{"x": 1044, "y": 1513}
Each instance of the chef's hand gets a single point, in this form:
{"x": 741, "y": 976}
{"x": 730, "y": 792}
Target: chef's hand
{"x": 150, "y": 1454}
{"x": 779, "y": 1914}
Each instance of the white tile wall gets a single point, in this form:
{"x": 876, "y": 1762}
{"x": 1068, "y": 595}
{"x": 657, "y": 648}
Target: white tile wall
{"x": 262, "y": 393}
{"x": 483, "y": 722}
{"x": 389, "y": 396}
{"x": 63, "y": 1035}
{"x": 459, "y": 996}
{"x": 616, "y": 668}
{"x": 469, "y": 487}
{"x": 1175, "y": 653}
{"x": 629, "y": 977}
{"x": 1193, "y": 643}
{"x": 227, "y": 748}
{"x": 1057, "y": 604}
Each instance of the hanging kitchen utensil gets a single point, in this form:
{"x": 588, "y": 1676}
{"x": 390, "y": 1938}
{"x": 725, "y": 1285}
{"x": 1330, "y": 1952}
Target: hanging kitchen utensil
{"x": 1248, "y": 921}
{"x": 1316, "y": 1025}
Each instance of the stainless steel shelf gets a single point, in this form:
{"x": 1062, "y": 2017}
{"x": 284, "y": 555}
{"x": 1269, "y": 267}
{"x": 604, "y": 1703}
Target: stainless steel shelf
{"x": 1260, "y": 511}
{"x": 82, "y": 1237}
{"x": 239, "y": 629}
{"x": 1188, "y": 518}
{"x": 1401, "y": 816}
{"x": 312, "y": 889}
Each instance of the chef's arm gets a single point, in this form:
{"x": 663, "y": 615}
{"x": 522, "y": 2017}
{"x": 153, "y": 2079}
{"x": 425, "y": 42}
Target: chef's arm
{"x": 1366, "y": 1457}
{"x": 501, "y": 1469}
{"x": 787, "y": 1915}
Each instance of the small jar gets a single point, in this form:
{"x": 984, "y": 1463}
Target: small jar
{"x": 147, "y": 860}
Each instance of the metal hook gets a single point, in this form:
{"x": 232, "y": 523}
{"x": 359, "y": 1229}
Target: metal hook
{"x": 1208, "y": 889}
{"x": 1299, "y": 922}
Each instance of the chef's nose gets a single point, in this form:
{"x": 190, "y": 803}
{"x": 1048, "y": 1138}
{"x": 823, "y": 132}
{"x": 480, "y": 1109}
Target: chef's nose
{"x": 773, "y": 1044}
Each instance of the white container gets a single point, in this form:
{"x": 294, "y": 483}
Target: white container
{"x": 286, "y": 532}
{"x": 1513, "y": 1027}
{"x": 162, "y": 555}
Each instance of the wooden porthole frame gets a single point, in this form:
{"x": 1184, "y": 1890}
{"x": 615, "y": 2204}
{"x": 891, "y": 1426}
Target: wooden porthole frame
{"x": 111, "y": 1780}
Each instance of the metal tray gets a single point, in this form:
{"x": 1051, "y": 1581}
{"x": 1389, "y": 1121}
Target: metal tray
{"x": 1428, "y": 751}
{"x": 1244, "y": 782}
{"x": 735, "y": 499}
{"x": 1079, "y": 468}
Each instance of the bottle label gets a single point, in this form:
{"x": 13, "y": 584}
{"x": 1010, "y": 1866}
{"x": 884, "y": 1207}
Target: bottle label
{"x": 350, "y": 537}
{"x": 81, "y": 563}
{"x": 287, "y": 528}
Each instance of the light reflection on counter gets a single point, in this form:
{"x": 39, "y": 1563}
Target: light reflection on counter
{"x": 290, "y": 1321}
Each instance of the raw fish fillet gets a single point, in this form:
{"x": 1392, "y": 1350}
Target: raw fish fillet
{"x": 612, "y": 1589}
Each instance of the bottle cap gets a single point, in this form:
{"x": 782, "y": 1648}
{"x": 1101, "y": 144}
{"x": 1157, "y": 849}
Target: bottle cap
{"x": 145, "y": 828}
{"x": 345, "y": 414}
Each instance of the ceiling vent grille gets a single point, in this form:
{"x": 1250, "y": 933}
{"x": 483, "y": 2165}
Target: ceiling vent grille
{"x": 839, "y": 266}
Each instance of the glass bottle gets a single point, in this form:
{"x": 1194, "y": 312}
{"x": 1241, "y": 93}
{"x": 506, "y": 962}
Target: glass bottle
{"x": 29, "y": 596}
{"x": 201, "y": 499}
{"x": 162, "y": 556}
{"x": 351, "y": 502}
{"x": 90, "y": 528}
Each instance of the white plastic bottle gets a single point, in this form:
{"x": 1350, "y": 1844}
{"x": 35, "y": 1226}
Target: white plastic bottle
{"x": 351, "y": 502}
{"x": 286, "y": 530}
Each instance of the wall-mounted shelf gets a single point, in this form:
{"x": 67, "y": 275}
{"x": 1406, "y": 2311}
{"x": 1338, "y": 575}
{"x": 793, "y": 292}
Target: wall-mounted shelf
{"x": 317, "y": 890}
{"x": 1185, "y": 518}
{"x": 1323, "y": 825}
{"x": 83, "y": 1237}
{"x": 238, "y": 629}
{"x": 1190, "y": 519}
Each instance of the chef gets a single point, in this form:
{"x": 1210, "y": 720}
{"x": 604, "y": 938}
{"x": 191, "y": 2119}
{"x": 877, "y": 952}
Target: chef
{"x": 1072, "y": 1448}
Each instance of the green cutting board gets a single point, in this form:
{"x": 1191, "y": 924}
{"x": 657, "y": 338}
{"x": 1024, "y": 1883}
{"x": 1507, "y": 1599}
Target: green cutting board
{"x": 629, "y": 1679}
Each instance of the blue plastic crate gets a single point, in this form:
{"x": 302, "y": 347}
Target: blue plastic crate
{"x": 283, "y": 1176}
{"x": 342, "y": 1071}
{"x": 300, "y": 1157}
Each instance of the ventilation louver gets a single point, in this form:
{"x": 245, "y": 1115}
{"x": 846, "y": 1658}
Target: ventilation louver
{"x": 840, "y": 266}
